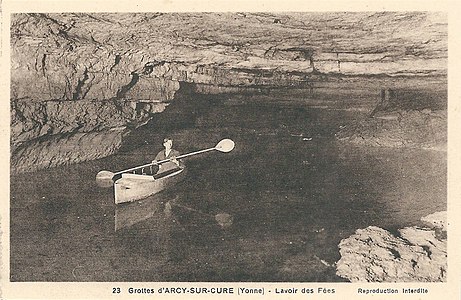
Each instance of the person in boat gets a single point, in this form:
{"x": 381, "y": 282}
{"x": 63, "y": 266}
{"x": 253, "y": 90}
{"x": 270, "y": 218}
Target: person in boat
{"x": 168, "y": 152}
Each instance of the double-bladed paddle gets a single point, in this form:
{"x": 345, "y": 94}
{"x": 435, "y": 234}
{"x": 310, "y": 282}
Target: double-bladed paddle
{"x": 104, "y": 178}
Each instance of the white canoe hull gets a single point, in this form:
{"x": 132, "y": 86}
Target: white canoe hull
{"x": 133, "y": 187}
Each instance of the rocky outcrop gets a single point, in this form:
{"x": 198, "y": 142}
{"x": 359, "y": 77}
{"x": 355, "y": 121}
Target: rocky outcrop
{"x": 403, "y": 118}
{"x": 134, "y": 64}
{"x": 425, "y": 129}
{"x": 50, "y": 133}
{"x": 31, "y": 120}
{"x": 375, "y": 255}
{"x": 63, "y": 149}
{"x": 437, "y": 220}
{"x": 102, "y": 56}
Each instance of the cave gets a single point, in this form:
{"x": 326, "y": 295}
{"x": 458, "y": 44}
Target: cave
{"x": 339, "y": 122}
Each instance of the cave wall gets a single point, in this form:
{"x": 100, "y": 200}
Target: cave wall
{"x": 104, "y": 56}
{"x": 77, "y": 73}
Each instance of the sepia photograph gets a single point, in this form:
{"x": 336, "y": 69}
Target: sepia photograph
{"x": 229, "y": 147}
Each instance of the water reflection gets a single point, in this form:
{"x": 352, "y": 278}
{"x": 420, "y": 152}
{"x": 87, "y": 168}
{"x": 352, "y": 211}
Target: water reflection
{"x": 130, "y": 214}
{"x": 162, "y": 208}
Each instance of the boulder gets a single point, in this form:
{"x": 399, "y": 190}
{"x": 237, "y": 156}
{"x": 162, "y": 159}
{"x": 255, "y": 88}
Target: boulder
{"x": 375, "y": 255}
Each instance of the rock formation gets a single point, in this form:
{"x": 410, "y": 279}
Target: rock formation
{"x": 408, "y": 118}
{"x": 104, "y": 56}
{"x": 77, "y": 73}
{"x": 50, "y": 133}
{"x": 425, "y": 129}
{"x": 417, "y": 254}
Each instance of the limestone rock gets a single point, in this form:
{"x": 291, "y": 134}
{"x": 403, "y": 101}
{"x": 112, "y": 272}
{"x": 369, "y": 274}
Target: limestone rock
{"x": 425, "y": 129}
{"x": 436, "y": 220}
{"x": 375, "y": 255}
{"x": 101, "y": 56}
{"x": 50, "y": 133}
{"x": 65, "y": 149}
{"x": 134, "y": 63}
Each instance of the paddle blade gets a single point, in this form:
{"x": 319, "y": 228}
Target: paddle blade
{"x": 104, "y": 179}
{"x": 225, "y": 145}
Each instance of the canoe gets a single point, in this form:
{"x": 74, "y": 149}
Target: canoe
{"x": 133, "y": 187}
{"x": 129, "y": 187}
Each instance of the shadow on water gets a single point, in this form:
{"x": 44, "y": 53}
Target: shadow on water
{"x": 288, "y": 192}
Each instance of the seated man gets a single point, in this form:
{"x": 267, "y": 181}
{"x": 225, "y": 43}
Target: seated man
{"x": 168, "y": 152}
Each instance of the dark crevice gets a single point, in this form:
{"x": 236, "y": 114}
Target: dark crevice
{"x": 124, "y": 89}
{"x": 88, "y": 89}
{"x": 271, "y": 49}
{"x": 395, "y": 253}
{"x": 44, "y": 64}
{"x": 427, "y": 250}
{"x": 64, "y": 34}
{"x": 46, "y": 17}
{"x": 149, "y": 67}
{"x": 81, "y": 82}
{"x": 118, "y": 58}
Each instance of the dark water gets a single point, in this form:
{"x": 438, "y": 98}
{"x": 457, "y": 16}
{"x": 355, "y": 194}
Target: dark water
{"x": 292, "y": 191}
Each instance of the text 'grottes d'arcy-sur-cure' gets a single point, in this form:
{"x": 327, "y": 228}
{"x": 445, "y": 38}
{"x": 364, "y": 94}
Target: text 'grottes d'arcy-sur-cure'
{"x": 230, "y": 290}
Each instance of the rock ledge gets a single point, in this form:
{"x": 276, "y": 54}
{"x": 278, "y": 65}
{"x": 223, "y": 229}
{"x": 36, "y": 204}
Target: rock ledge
{"x": 416, "y": 255}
